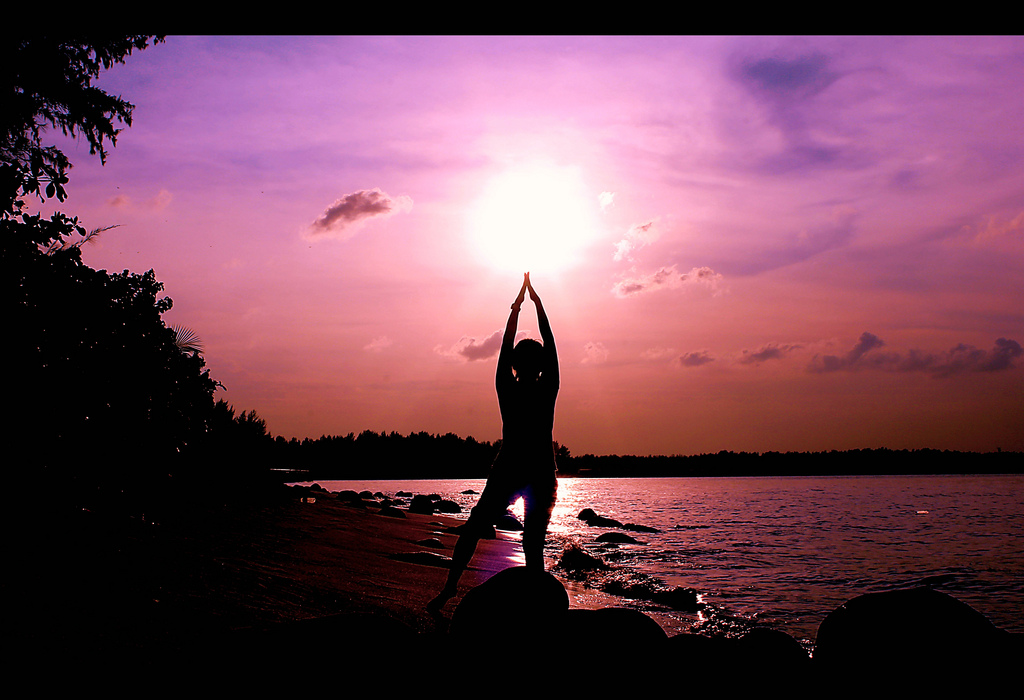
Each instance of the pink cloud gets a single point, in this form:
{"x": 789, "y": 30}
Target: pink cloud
{"x": 473, "y": 349}
{"x": 695, "y": 359}
{"x": 768, "y": 351}
{"x": 160, "y": 201}
{"x": 339, "y": 219}
{"x": 959, "y": 359}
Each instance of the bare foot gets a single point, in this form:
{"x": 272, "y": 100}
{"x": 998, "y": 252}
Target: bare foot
{"x": 437, "y": 603}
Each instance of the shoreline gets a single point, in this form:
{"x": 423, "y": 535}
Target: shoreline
{"x": 212, "y": 575}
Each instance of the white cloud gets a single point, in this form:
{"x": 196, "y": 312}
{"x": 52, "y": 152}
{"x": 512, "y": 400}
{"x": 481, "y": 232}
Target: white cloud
{"x": 594, "y": 354}
{"x": 668, "y": 278}
{"x": 638, "y": 236}
{"x": 659, "y": 353}
{"x": 378, "y": 344}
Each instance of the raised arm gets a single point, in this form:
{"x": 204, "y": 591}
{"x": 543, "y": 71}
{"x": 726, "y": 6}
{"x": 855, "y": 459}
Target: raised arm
{"x": 550, "y": 353}
{"x": 508, "y": 340}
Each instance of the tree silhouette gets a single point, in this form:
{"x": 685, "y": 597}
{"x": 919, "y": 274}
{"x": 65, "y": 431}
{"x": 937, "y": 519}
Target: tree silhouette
{"x": 47, "y": 84}
{"x": 100, "y": 386}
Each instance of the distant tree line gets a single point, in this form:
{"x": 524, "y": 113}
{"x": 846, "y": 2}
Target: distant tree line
{"x": 371, "y": 455}
{"x": 834, "y": 462}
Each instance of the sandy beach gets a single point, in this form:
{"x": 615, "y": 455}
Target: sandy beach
{"x": 130, "y": 583}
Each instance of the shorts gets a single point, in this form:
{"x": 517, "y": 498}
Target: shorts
{"x": 538, "y": 492}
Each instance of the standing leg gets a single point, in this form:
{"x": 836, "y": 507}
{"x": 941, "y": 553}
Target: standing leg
{"x": 538, "y": 501}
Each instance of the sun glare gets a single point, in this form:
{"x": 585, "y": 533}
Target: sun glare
{"x": 533, "y": 219}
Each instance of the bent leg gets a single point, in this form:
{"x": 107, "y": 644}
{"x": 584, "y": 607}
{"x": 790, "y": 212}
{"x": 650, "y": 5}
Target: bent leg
{"x": 463, "y": 552}
{"x": 493, "y": 502}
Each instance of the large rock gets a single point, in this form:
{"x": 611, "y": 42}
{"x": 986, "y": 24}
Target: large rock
{"x": 772, "y": 650}
{"x": 914, "y": 634}
{"x": 575, "y": 558}
{"x": 633, "y": 527}
{"x": 678, "y": 598}
{"x": 592, "y": 519}
{"x": 624, "y": 631}
{"x": 617, "y": 538}
{"x": 446, "y": 506}
{"x": 508, "y": 522}
{"x": 517, "y": 606}
{"x": 761, "y": 660}
{"x": 421, "y": 504}
{"x": 698, "y": 651}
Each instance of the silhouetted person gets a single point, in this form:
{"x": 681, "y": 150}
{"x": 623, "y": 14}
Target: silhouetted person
{"x": 527, "y": 385}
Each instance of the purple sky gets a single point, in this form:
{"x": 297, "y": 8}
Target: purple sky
{"x": 762, "y": 243}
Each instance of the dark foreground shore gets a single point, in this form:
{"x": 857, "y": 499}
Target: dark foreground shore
{"x": 297, "y": 579}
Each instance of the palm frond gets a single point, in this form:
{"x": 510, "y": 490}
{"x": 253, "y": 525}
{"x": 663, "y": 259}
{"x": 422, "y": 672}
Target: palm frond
{"x": 186, "y": 340}
{"x": 60, "y": 244}
{"x": 88, "y": 238}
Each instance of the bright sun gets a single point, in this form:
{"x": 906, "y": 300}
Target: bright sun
{"x": 536, "y": 218}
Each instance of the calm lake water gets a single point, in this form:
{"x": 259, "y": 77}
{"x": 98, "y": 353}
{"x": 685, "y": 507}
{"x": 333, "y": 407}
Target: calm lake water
{"x": 785, "y": 551}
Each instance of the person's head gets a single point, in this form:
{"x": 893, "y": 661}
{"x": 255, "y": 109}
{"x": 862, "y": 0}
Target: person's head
{"x": 526, "y": 359}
